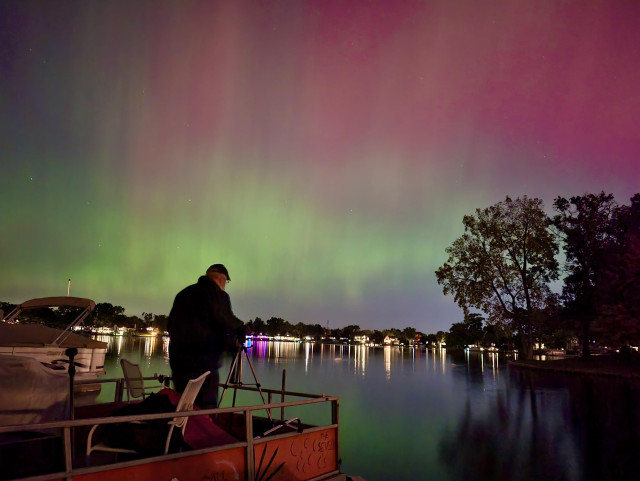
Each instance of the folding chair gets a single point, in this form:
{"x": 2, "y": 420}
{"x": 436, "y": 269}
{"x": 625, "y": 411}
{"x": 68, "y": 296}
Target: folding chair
{"x": 184, "y": 404}
{"x": 134, "y": 381}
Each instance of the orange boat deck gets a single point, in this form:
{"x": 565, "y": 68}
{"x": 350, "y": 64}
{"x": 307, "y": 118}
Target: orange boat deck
{"x": 255, "y": 447}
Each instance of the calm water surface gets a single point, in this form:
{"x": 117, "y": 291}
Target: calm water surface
{"x": 417, "y": 415}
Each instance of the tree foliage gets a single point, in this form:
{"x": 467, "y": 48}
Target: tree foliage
{"x": 503, "y": 263}
{"x": 350, "y": 331}
{"x": 620, "y": 278}
{"x": 586, "y": 225}
{"x": 257, "y": 326}
{"x": 160, "y": 322}
{"x": 467, "y": 333}
{"x": 278, "y": 326}
{"x": 106, "y": 314}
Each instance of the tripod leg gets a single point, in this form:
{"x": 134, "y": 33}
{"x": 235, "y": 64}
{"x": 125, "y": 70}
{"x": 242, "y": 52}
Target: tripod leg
{"x": 232, "y": 370}
{"x": 236, "y": 373}
{"x": 258, "y": 384}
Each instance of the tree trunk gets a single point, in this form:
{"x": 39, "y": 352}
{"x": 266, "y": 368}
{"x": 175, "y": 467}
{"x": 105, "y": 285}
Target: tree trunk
{"x": 586, "y": 352}
{"x": 525, "y": 342}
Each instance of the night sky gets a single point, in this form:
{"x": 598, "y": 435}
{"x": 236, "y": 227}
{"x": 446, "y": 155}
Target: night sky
{"x": 324, "y": 151}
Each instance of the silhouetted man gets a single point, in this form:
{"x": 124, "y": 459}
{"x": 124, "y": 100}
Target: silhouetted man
{"x": 201, "y": 326}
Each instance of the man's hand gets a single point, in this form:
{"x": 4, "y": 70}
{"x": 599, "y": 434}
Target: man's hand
{"x": 241, "y": 335}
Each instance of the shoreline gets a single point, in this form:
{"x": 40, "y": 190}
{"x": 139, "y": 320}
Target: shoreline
{"x": 603, "y": 365}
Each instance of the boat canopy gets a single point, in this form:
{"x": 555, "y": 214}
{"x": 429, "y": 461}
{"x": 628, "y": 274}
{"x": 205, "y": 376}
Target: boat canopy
{"x": 58, "y": 302}
{"x": 87, "y": 305}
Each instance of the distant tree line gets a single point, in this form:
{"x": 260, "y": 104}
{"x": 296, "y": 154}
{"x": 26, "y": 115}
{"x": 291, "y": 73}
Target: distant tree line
{"x": 276, "y": 326}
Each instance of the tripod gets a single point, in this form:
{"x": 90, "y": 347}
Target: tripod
{"x": 234, "y": 379}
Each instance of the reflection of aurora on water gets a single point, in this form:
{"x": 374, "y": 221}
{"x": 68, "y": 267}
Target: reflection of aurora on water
{"x": 441, "y": 415}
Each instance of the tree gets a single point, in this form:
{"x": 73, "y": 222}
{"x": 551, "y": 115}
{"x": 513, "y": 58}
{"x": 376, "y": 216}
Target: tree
{"x": 585, "y": 225}
{"x": 409, "y": 334}
{"x": 65, "y": 315}
{"x": 350, "y": 331}
{"x": 466, "y": 333}
{"x": 503, "y": 263}
{"x": 161, "y": 321}
{"x": 147, "y": 317}
{"x": 431, "y": 340}
{"x": 376, "y": 337}
{"x": 316, "y": 331}
{"x": 106, "y": 314}
{"x": 6, "y": 308}
{"x": 458, "y": 335}
{"x": 43, "y": 315}
{"x": 498, "y": 335}
{"x": 473, "y": 322}
{"x": 620, "y": 277}
{"x": 277, "y": 326}
{"x": 131, "y": 322}
{"x": 335, "y": 333}
{"x": 300, "y": 330}
{"x": 257, "y": 326}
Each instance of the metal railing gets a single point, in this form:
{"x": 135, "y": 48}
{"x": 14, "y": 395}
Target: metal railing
{"x": 67, "y": 427}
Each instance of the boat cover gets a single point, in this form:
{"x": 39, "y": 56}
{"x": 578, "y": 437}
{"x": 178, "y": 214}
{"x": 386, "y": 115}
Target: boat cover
{"x": 31, "y": 392}
{"x": 58, "y": 302}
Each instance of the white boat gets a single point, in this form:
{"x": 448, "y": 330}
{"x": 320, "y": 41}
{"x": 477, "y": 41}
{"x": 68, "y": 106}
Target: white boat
{"x": 49, "y": 345}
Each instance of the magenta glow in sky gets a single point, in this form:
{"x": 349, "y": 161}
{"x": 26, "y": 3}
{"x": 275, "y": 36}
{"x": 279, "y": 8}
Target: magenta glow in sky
{"x": 324, "y": 151}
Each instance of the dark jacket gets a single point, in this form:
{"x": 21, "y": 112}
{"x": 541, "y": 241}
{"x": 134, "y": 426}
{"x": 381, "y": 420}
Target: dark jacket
{"x": 201, "y": 326}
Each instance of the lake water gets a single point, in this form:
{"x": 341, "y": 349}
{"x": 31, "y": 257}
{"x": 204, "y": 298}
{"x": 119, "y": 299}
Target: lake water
{"x": 433, "y": 415}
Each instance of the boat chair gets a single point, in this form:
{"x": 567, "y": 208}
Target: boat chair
{"x": 134, "y": 381}
{"x": 184, "y": 404}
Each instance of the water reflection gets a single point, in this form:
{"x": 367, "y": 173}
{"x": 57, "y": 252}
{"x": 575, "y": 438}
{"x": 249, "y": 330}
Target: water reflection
{"x": 308, "y": 354}
{"x": 449, "y": 416}
{"x": 280, "y": 351}
{"x": 149, "y": 345}
{"x": 360, "y": 359}
{"x": 387, "y": 362}
{"x": 260, "y": 348}
{"x": 494, "y": 358}
{"x": 544, "y": 426}
{"x": 140, "y": 350}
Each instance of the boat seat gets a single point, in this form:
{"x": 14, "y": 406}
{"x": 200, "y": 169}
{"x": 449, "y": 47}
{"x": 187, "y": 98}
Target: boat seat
{"x": 134, "y": 381}
{"x": 184, "y": 404}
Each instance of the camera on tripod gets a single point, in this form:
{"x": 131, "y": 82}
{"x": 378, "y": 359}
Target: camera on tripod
{"x": 234, "y": 379}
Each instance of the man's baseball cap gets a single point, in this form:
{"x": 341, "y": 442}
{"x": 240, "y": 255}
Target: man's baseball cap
{"x": 219, "y": 268}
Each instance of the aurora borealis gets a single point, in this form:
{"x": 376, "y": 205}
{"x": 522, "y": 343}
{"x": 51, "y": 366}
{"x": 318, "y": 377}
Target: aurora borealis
{"x": 324, "y": 151}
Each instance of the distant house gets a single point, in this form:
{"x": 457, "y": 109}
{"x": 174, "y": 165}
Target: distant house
{"x": 122, "y": 330}
{"x": 363, "y": 339}
{"x": 391, "y": 341}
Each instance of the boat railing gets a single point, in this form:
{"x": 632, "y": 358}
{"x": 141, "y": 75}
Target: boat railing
{"x": 69, "y": 428}
{"x": 119, "y": 383}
